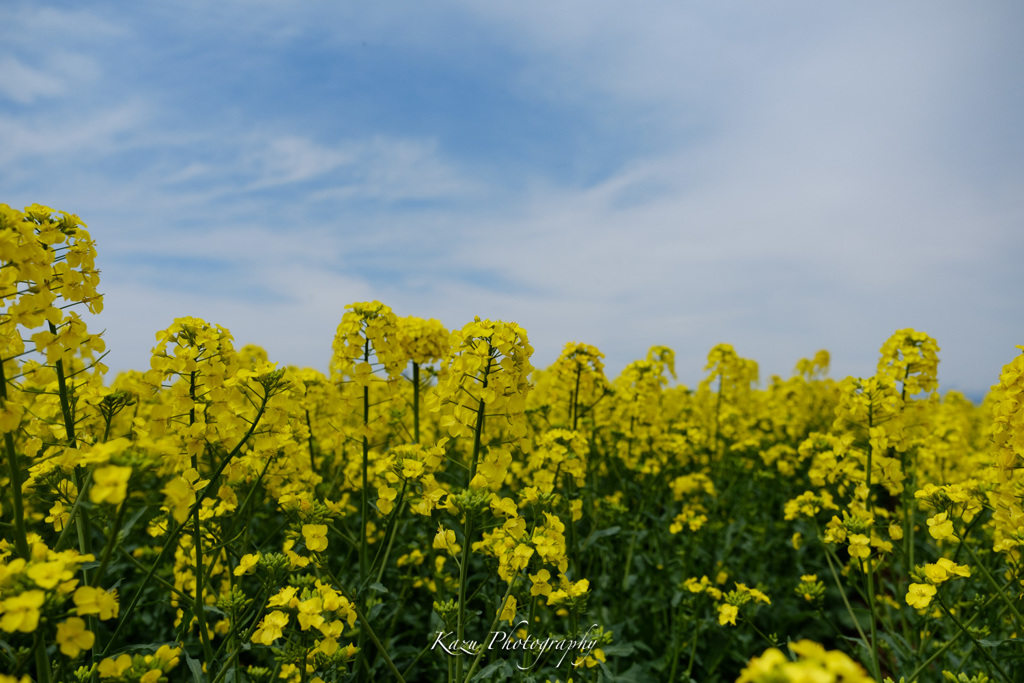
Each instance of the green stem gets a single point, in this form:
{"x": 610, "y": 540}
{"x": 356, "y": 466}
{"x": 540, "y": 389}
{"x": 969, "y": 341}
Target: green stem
{"x": 570, "y": 489}
{"x": 842, "y": 594}
{"x": 494, "y": 624}
{"x": 869, "y": 571}
{"x": 365, "y": 503}
{"x": 468, "y": 547}
{"x": 992, "y": 582}
{"x": 245, "y": 638}
{"x": 977, "y": 645}
{"x": 463, "y": 581}
{"x": 389, "y": 532}
{"x": 183, "y": 597}
{"x": 576, "y": 397}
{"x": 952, "y": 641}
{"x": 364, "y": 568}
{"x": 632, "y": 544}
{"x": 20, "y": 533}
{"x": 876, "y": 666}
{"x": 200, "y": 604}
{"x": 479, "y": 429}
{"x": 693, "y": 650}
{"x": 21, "y": 537}
{"x": 366, "y": 626}
{"x": 761, "y": 633}
{"x": 677, "y": 643}
{"x": 714, "y": 440}
{"x": 528, "y": 655}
{"x": 83, "y": 525}
{"x": 42, "y": 660}
{"x": 415, "y": 402}
{"x": 309, "y": 444}
{"x": 172, "y": 536}
{"x": 111, "y": 542}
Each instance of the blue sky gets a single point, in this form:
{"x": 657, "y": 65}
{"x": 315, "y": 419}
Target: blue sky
{"x": 782, "y": 176}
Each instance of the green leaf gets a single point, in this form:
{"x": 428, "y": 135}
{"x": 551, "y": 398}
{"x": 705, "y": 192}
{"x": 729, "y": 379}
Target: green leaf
{"x": 618, "y": 650}
{"x": 195, "y": 667}
{"x": 488, "y": 670}
{"x": 610, "y": 531}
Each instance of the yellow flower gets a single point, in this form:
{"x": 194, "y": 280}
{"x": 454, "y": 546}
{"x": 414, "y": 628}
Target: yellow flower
{"x": 180, "y": 497}
{"x": 953, "y": 568}
{"x": 591, "y": 660}
{"x": 294, "y": 558}
{"x": 110, "y": 484}
{"x": 316, "y": 536}
{"x": 940, "y": 526}
{"x": 414, "y": 558}
{"x": 167, "y": 656}
{"x": 328, "y": 646}
{"x": 504, "y": 506}
{"x": 91, "y": 600}
{"x": 508, "y": 612}
{"x": 73, "y": 637}
{"x": 21, "y": 612}
{"x": 310, "y": 613}
{"x": 445, "y": 540}
{"x": 860, "y": 546}
{"x": 493, "y": 469}
{"x": 246, "y": 564}
{"x": 285, "y": 598}
{"x": 412, "y": 468}
{"x": 386, "y": 496}
{"x": 113, "y": 668}
{"x": 920, "y": 595}
{"x": 727, "y": 614}
{"x": 48, "y": 574}
{"x": 540, "y": 583}
{"x": 270, "y": 628}
{"x": 59, "y": 516}
{"x": 576, "y": 510}
{"x": 944, "y": 569}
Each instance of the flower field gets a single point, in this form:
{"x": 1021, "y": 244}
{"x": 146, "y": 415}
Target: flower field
{"x": 437, "y": 509}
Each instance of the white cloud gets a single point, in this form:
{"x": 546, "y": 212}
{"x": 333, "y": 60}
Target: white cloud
{"x": 385, "y": 169}
{"x": 293, "y": 159}
{"x": 53, "y": 137}
{"x": 393, "y": 170}
{"x": 785, "y": 178}
{"x": 24, "y": 84}
{"x": 57, "y": 75}
{"x": 298, "y": 331}
{"x": 29, "y": 24}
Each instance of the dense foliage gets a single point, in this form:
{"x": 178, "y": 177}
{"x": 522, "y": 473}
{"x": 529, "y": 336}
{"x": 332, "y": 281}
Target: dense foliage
{"x": 435, "y": 508}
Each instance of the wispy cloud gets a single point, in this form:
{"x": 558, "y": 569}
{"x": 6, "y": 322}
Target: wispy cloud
{"x": 24, "y": 84}
{"x": 294, "y": 159}
{"x": 781, "y": 177}
{"x": 48, "y": 138}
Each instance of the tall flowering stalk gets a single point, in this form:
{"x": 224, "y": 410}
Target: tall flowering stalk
{"x": 364, "y": 343}
{"x": 486, "y": 376}
{"x": 46, "y": 267}
{"x": 422, "y": 342}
